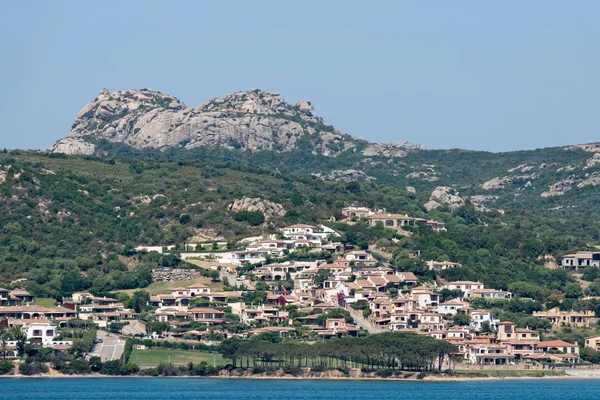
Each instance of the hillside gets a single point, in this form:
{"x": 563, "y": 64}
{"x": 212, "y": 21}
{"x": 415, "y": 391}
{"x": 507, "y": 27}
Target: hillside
{"x": 259, "y": 128}
{"x": 70, "y": 223}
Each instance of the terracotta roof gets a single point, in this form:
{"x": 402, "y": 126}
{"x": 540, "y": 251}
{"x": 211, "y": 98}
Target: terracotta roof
{"x": 377, "y": 281}
{"x": 555, "y": 343}
{"x": 407, "y": 276}
{"x": 38, "y": 309}
{"x": 206, "y": 311}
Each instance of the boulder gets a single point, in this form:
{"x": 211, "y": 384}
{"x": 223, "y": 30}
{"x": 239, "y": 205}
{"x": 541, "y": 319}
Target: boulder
{"x": 268, "y": 208}
{"x": 305, "y": 106}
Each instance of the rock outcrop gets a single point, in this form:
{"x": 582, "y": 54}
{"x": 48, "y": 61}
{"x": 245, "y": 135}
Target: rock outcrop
{"x": 592, "y": 179}
{"x": 559, "y": 188}
{"x": 347, "y": 175}
{"x": 497, "y": 183}
{"x": 397, "y": 149}
{"x": 448, "y": 197}
{"x": 268, "y": 208}
{"x": 444, "y": 196}
{"x": 254, "y": 120}
{"x": 73, "y": 146}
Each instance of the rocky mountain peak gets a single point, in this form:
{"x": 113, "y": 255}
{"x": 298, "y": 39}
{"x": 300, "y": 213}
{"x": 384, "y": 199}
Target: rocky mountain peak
{"x": 251, "y": 120}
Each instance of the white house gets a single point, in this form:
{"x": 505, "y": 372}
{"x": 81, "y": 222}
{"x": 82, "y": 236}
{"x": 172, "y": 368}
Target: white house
{"x": 465, "y": 286}
{"x": 41, "y": 333}
{"x": 581, "y": 259}
{"x": 478, "y": 317}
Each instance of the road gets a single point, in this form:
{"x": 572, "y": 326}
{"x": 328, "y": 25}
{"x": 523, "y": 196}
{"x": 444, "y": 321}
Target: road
{"x": 134, "y": 328}
{"x": 110, "y": 349}
{"x": 361, "y": 322}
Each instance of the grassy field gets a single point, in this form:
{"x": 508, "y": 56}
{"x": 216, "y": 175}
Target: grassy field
{"x": 153, "y": 357}
{"x": 44, "y": 302}
{"x": 165, "y": 287}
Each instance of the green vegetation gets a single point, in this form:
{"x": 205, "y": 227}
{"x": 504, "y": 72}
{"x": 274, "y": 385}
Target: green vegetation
{"x": 67, "y": 215}
{"x": 156, "y": 356}
{"x": 405, "y": 351}
{"x": 44, "y": 302}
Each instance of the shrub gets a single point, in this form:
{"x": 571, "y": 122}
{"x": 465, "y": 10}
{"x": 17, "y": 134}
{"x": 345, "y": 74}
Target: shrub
{"x": 384, "y": 373}
{"x": 34, "y": 368}
{"x": 258, "y": 370}
{"x": 127, "y": 352}
{"x": 6, "y": 367}
{"x": 254, "y": 218}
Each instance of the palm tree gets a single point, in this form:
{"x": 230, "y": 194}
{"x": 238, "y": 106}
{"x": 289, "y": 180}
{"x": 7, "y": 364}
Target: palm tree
{"x": 3, "y": 340}
{"x": 17, "y": 333}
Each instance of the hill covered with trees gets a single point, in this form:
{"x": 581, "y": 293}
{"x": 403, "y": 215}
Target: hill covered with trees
{"x": 71, "y": 223}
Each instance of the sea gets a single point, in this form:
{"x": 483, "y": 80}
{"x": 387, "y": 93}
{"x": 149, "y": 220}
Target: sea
{"x": 264, "y": 389}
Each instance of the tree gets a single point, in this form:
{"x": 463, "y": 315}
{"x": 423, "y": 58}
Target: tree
{"x": 229, "y": 348}
{"x": 95, "y": 364}
{"x": 116, "y": 327}
{"x": 214, "y": 275}
{"x": 573, "y": 291}
{"x": 461, "y": 319}
{"x": 139, "y": 301}
{"x": 486, "y": 327}
{"x": 322, "y": 276}
{"x": 17, "y": 333}
{"x": 184, "y": 219}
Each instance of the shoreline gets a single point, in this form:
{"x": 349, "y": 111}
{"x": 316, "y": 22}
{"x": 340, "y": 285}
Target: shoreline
{"x": 430, "y": 378}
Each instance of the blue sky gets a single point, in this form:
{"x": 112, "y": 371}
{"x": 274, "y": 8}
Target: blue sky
{"x": 492, "y": 76}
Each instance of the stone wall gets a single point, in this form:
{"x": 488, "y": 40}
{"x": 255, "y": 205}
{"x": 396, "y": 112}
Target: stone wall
{"x": 166, "y": 275}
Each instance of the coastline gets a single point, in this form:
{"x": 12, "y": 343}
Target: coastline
{"x": 429, "y": 378}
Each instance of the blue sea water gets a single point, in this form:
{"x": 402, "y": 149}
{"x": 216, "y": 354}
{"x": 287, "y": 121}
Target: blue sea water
{"x": 229, "y": 389}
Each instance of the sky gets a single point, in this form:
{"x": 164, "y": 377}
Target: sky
{"x": 495, "y": 76}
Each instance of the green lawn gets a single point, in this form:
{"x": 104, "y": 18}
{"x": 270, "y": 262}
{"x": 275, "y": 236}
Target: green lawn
{"x": 153, "y": 357}
{"x": 44, "y": 302}
{"x": 165, "y": 287}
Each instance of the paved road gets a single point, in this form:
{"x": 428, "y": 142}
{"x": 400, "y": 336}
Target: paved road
{"x": 134, "y": 328}
{"x": 361, "y": 322}
{"x": 111, "y": 348}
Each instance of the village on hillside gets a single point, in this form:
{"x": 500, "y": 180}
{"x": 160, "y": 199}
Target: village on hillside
{"x": 302, "y": 284}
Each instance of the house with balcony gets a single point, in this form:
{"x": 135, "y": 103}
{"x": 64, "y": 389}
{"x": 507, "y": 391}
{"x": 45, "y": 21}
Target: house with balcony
{"x": 398, "y": 222}
{"x": 593, "y": 342}
{"x": 207, "y": 316}
{"x": 360, "y": 257}
{"x": 425, "y": 297}
{"x": 37, "y": 312}
{"x": 581, "y": 259}
{"x": 490, "y": 294}
{"x": 467, "y": 287}
{"x": 441, "y": 265}
{"x": 262, "y": 315}
{"x": 479, "y": 317}
{"x": 21, "y": 296}
{"x": 491, "y": 354}
{"x": 356, "y": 212}
{"x": 453, "y": 307}
{"x": 337, "y": 327}
{"x": 41, "y": 333}
{"x": 558, "y": 318}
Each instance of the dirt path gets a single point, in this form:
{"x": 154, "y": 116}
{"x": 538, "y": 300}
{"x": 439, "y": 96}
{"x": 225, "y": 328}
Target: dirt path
{"x": 581, "y": 282}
